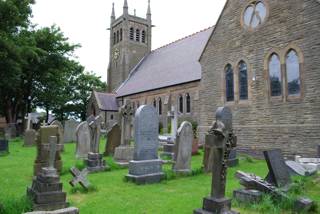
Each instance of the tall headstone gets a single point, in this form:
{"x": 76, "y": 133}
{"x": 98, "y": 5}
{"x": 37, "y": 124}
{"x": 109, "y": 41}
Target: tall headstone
{"x": 124, "y": 153}
{"x": 113, "y": 140}
{"x": 221, "y": 139}
{"x": 70, "y": 127}
{"x": 95, "y": 162}
{"x": 42, "y": 159}
{"x": 278, "y": 172}
{"x": 46, "y": 190}
{"x": 146, "y": 167}
{"x": 30, "y": 134}
{"x": 183, "y": 148}
{"x": 83, "y": 139}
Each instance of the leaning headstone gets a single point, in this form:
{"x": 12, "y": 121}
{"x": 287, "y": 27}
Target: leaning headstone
{"x": 46, "y": 190}
{"x": 70, "y": 127}
{"x": 42, "y": 159}
{"x": 183, "y": 148}
{"x": 83, "y": 138}
{"x": 79, "y": 177}
{"x": 124, "y": 153}
{"x": 221, "y": 139}
{"x": 146, "y": 167}
{"x": 278, "y": 171}
{"x": 69, "y": 210}
{"x": 59, "y": 124}
{"x": 113, "y": 140}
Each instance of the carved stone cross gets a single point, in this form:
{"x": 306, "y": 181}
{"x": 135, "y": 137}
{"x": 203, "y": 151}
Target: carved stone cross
{"x": 173, "y": 114}
{"x": 79, "y": 177}
{"x": 126, "y": 112}
{"x": 95, "y": 128}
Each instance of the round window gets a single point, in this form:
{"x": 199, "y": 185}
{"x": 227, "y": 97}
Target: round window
{"x": 254, "y": 15}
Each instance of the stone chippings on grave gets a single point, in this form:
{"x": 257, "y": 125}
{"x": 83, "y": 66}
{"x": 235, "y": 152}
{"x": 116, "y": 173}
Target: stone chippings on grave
{"x": 43, "y": 149}
{"x": 222, "y": 140}
{"x": 69, "y": 210}
{"x": 46, "y": 190}
{"x": 146, "y": 167}
{"x": 124, "y": 153}
{"x": 83, "y": 138}
{"x": 183, "y": 148}
{"x": 113, "y": 140}
{"x": 70, "y": 127}
{"x": 95, "y": 162}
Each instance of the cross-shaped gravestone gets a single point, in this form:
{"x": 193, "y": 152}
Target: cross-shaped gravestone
{"x": 79, "y": 177}
{"x": 95, "y": 129}
{"x": 221, "y": 140}
{"x": 126, "y": 112}
{"x": 173, "y": 114}
{"x": 29, "y": 121}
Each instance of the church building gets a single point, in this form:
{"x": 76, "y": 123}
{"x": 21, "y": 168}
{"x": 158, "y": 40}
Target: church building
{"x": 262, "y": 59}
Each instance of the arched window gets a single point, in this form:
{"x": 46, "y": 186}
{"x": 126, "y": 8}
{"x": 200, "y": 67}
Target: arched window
{"x": 275, "y": 75}
{"x": 160, "y": 106}
{"x": 114, "y": 38}
{"x": 117, "y": 36}
{"x": 111, "y": 117}
{"x": 243, "y": 81}
{"x": 131, "y": 33}
{"x": 188, "y": 102}
{"x": 229, "y": 83}
{"x": 293, "y": 73}
{"x": 155, "y": 103}
{"x": 181, "y": 104}
{"x": 121, "y": 34}
{"x": 143, "y": 37}
{"x": 137, "y": 35}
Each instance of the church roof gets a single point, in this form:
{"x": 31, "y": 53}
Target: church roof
{"x": 173, "y": 64}
{"x": 106, "y": 101}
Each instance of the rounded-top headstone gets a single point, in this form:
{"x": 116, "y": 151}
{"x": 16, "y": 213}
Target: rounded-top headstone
{"x": 224, "y": 115}
{"x": 146, "y": 133}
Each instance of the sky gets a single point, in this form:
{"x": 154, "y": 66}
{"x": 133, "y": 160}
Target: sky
{"x": 85, "y": 22}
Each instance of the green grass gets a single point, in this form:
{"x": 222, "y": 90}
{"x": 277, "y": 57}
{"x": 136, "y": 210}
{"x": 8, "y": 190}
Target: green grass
{"x": 110, "y": 193}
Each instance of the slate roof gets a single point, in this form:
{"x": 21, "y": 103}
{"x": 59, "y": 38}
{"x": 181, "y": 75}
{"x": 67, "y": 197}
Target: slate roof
{"x": 106, "y": 101}
{"x": 173, "y": 64}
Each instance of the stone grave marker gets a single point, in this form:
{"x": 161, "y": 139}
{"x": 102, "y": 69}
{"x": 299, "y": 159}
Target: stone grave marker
{"x": 222, "y": 140}
{"x": 278, "y": 171}
{"x": 42, "y": 159}
{"x": 146, "y": 167}
{"x": 30, "y": 134}
{"x": 183, "y": 148}
{"x": 124, "y": 153}
{"x": 59, "y": 124}
{"x": 46, "y": 190}
{"x": 11, "y": 131}
{"x": 79, "y": 177}
{"x": 296, "y": 168}
{"x": 4, "y": 146}
{"x": 83, "y": 139}
{"x": 113, "y": 140}
{"x": 70, "y": 127}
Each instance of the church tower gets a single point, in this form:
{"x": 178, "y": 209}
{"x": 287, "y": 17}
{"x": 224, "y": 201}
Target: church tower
{"x": 130, "y": 41}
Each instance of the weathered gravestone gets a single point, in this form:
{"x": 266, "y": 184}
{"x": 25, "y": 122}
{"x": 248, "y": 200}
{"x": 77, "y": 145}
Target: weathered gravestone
{"x": 46, "y": 190}
{"x": 113, "y": 140}
{"x": 79, "y": 177}
{"x": 59, "y": 124}
{"x": 30, "y": 134}
{"x": 124, "y": 153}
{"x": 222, "y": 140}
{"x": 83, "y": 139}
{"x": 70, "y": 127}
{"x": 146, "y": 167}
{"x": 42, "y": 159}
{"x": 224, "y": 115}
{"x": 278, "y": 171}
{"x": 183, "y": 148}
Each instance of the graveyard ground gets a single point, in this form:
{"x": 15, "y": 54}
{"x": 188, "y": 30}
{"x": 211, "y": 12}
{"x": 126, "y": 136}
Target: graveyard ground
{"x": 112, "y": 194}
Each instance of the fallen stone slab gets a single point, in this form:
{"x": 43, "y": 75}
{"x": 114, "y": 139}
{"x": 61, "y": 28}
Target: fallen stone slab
{"x": 296, "y": 168}
{"x": 70, "y": 210}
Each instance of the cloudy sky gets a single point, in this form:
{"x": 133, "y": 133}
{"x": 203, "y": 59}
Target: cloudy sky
{"x": 86, "y": 22}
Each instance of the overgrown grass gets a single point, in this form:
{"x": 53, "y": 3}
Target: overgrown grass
{"x": 110, "y": 194}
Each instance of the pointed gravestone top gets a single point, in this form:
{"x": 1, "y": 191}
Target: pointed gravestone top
{"x": 146, "y": 133}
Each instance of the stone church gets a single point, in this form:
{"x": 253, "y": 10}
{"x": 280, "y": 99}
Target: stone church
{"x": 262, "y": 59}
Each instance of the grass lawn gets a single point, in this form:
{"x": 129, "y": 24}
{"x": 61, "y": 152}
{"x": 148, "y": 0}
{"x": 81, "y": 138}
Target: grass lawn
{"x": 112, "y": 194}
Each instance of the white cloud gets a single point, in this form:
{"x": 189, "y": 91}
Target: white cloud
{"x": 86, "y": 22}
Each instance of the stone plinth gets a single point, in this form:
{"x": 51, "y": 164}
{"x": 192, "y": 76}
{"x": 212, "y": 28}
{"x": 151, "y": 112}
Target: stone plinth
{"x": 145, "y": 171}
{"x": 95, "y": 162}
{"x": 247, "y": 196}
{"x": 215, "y": 206}
{"x": 70, "y": 210}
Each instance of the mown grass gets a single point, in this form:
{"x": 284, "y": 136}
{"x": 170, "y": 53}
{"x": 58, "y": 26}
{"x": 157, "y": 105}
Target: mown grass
{"x": 110, "y": 193}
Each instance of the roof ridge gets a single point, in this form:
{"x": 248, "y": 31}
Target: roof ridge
{"x": 183, "y": 38}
